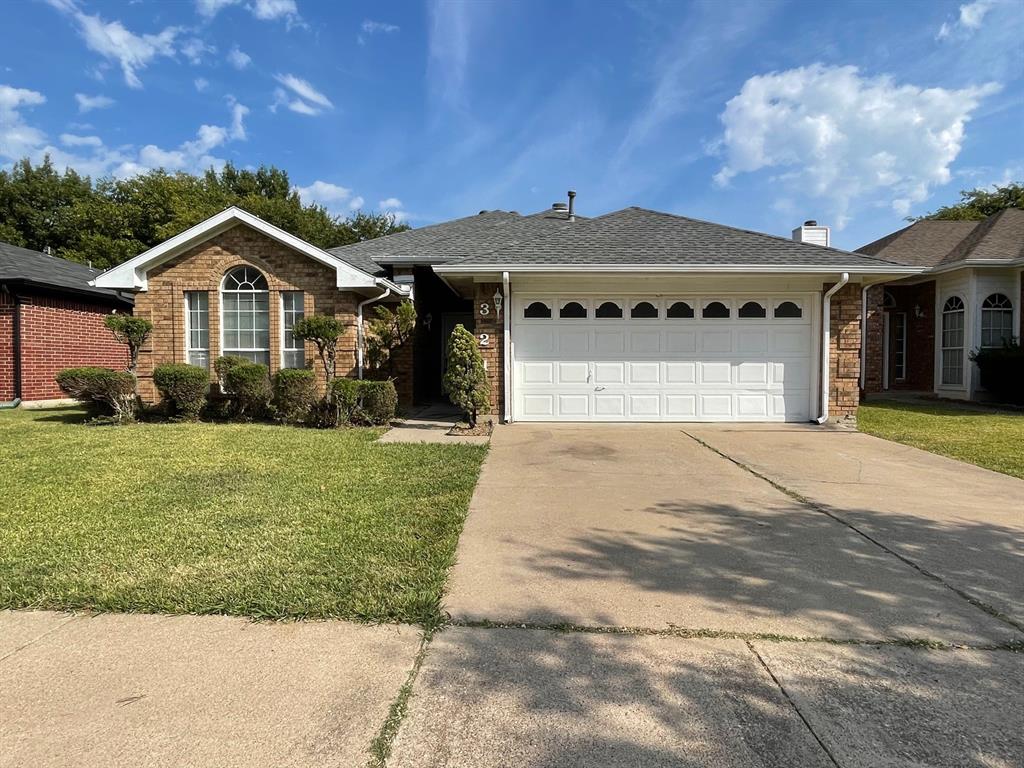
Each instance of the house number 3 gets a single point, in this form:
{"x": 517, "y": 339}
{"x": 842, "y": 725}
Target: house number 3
{"x": 485, "y": 309}
{"x": 485, "y": 339}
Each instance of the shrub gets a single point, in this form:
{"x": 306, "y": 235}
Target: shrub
{"x": 324, "y": 331}
{"x": 222, "y": 365}
{"x": 130, "y": 330}
{"x": 106, "y": 392}
{"x": 183, "y": 387}
{"x": 465, "y": 379}
{"x": 388, "y": 331}
{"x": 249, "y": 386}
{"x": 364, "y": 402}
{"x": 1002, "y": 372}
{"x": 294, "y": 395}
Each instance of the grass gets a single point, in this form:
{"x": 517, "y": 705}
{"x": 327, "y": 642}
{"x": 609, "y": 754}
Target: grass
{"x": 253, "y": 520}
{"x": 986, "y": 437}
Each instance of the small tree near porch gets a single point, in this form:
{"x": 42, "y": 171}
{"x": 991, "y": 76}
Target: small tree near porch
{"x": 465, "y": 380}
{"x": 324, "y": 331}
{"x": 389, "y": 330}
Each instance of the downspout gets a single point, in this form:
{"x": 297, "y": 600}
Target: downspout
{"x": 826, "y": 336}
{"x": 506, "y": 341}
{"x": 359, "y": 328}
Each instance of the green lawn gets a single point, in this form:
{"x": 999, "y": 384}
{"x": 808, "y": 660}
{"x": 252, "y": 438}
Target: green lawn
{"x": 255, "y": 520}
{"x": 988, "y": 438}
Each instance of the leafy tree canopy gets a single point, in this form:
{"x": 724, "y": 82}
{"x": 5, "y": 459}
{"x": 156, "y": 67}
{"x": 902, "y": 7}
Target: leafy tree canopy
{"x": 977, "y": 204}
{"x": 111, "y": 220}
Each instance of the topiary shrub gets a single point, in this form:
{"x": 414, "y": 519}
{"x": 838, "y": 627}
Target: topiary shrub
{"x": 324, "y": 331}
{"x": 104, "y": 391}
{"x": 249, "y": 386}
{"x": 183, "y": 388}
{"x": 131, "y": 331}
{"x": 364, "y": 402}
{"x": 294, "y": 395}
{"x": 465, "y": 379}
{"x": 1002, "y": 371}
{"x": 222, "y": 365}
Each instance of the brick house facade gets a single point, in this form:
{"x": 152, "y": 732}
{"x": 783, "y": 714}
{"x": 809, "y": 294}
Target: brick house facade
{"x": 51, "y": 319}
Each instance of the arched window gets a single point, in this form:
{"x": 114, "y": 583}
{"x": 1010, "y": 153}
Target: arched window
{"x": 245, "y": 306}
{"x": 888, "y": 300}
{"x": 953, "y": 341}
{"x": 996, "y": 320}
{"x": 608, "y": 309}
{"x": 680, "y": 310}
{"x": 572, "y": 310}
{"x": 752, "y": 309}
{"x": 715, "y": 310}
{"x": 537, "y": 309}
{"x": 788, "y": 309}
{"x": 643, "y": 310}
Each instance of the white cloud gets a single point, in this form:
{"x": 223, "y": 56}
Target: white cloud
{"x": 389, "y": 203}
{"x": 265, "y": 10}
{"x": 88, "y": 103}
{"x": 837, "y": 135}
{"x": 16, "y": 136}
{"x": 210, "y": 8}
{"x": 194, "y": 49}
{"x": 370, "y": 28}
{"x": 356, "y": 203}
{"x": 970, "y": 19}
{"x": 310, "y": 101}
{"x": 448, "y": 50}
{"x": 238, "y": 59}
{"x": 201, "y": 84}
{"x": 323, "y": 193}
{"x": 238, "y": 114}
{"x": 113, "y": 41}
{"x": 74, "y": 140}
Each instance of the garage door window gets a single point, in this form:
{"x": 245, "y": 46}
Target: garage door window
{"x": 608, "y": 310}
{"x": 715, "y": 310}
{"x": 788, "y": 309}
{"x": 537, "y": 309}
{"x": 573, "y": 310}
{"x": 680, "y": 310}
{"x": 644, "y": 310}
{"x": 752, "y": 309}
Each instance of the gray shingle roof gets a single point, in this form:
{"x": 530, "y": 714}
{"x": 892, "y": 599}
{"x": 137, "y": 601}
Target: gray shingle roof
{"x": 935, "y": 243}
{"x": 32, "y": 267}
{"x": 637, "y": 236}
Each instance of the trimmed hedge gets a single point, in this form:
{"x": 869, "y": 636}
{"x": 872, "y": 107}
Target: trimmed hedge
{"x": 364, "y": 402}
{"x": 294, "y": 395}
{"x": 105, "y": 391}
{"x": 248, "y": 384}
{"x": 223, "y": 365}
{"x": 183, "y": 387}
{"x": 1002, "y": 372}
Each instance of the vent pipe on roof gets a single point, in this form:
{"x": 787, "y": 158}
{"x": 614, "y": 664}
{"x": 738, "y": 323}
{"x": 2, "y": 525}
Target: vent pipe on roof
{"x": 572, "y": 201}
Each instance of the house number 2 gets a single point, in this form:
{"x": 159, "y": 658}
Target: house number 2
{"x": 485, "y": 339}
{"x": 485, "y": 309}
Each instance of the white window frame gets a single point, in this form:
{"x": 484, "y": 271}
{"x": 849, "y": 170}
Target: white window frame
{"x": 954, "y": 352}
{"x": 245, "y": 352}
{"x": 987, "y": 314}
{"x": 191, "y": 314}
{"x": 297, "y": 345}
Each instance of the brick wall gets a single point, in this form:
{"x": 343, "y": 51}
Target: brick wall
{"x": 6, "y": 347}
{"x": 202, "y": 269}
{"x": 875, "y": 326}
{"x": 844, "y": 353}
{"x": 58, "y": 333}
{"x": 493, "y": 351}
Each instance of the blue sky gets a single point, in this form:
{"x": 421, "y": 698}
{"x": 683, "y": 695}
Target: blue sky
{"x": 754, "y": 114}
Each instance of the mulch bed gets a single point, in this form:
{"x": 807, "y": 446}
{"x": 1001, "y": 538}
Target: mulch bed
{"x": 482, "y": 428}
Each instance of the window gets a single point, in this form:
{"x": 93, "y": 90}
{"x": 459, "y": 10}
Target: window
{"x": 245, "y": 305}
{"x": 537, "y": 309}
{"x": 996, "y": 321}
{"x": 888, "y": 300}
{"x": 788, "y": 309}
{"x": 680, "y": 309}
{"x": 899, "y": 349}
{"x": 608, "y": 309}
{"x": 643, "y": 310}
{"x": 197, "y": 328}
{"x": 572, "y": 310}
{"x": 953, "y": 341}
{"x": 752, "y": 309}
{"x": 293, "y": 351}
{"x": 715, "y": 310}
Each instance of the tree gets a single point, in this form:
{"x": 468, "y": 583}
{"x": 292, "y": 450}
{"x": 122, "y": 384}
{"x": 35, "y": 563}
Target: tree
{"x": 465, "y": 379}
{"x": 324, "y": 331}
{"x": 387, "y": 332}
{"x": 132, "y": 331}
{"x": 977, "y": 204}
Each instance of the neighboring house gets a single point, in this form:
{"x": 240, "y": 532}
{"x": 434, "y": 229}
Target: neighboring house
{"x": 51, "y": 318}
{"x": 922, "y": 329}
{"x": 631, "y": 316}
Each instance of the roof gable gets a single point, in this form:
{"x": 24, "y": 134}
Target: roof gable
{"x": 132, "y": 274}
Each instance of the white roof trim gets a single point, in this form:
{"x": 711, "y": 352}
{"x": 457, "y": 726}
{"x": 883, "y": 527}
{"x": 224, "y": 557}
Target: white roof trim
{"x": 938, "y": 269}
{"x": 456, "y": 269}
{"x": 132, "y": 274}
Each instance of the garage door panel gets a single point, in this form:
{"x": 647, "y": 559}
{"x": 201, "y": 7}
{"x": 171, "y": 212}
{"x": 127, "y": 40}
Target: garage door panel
{"x": 573, "y": 373}
{"x": 609, "y": 373}
{"x": 645, "y": 342}
{"x": 573, "y": 405}
{"x": 609, "y": 406}
{"x": 795, "y": 371}
{"x": 680, "y": 406}
{"x": 680, "y": 342}
{"x": 680, "y": 373}
{"x": 715, "y": 372}
{"x": 573, "y": 342}
{"x": 608, "y": 342}
{"x": 538, "y": 406}
{"x": 538, "y": 372}
{"x": 538, "y": 339}
{"x": 751, "y": 406}
{"x": 719, "y": 341}
{"x": 716, "y": 406}
{"x": 792, "y": 341}
{"x": 645, "y": 373}
{"x": 751, "y": 342}
{"x": 645, "y": 405}
{"x": 752, "y": 373}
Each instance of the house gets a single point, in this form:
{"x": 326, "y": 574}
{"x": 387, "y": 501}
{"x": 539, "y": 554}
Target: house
{"x": 921, "y": 329}
{"x": 51, "y": 318}
{"x": 634, "y": 315}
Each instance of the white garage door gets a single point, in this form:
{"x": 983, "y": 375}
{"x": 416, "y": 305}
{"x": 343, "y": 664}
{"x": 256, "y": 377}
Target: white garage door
{"x": 707, "y": 358}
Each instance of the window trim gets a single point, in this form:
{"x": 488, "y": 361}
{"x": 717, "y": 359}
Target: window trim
{"x": 189, "y": 349}
{"x": 584, "y": 303}
{"x": 1003, "y": 311}
{"x": 778, "y": 303}
{"x": 241, "y": 351}
{"x": 285, "y": 349}
{"x": 619, "y": 303}
{"x": 959, "y": 350}
{"x": 727, "y": 303}
{"x": 689, "y": 303}
{"x": 634, "y": 303}
{"x": 547, "y": 303}
{"x": 759, "y": 303}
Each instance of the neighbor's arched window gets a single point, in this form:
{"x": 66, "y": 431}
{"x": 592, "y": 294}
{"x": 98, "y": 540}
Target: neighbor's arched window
{"x": 953, "y": 341}
{"x": 996, "y": 320}
{"x": 245, "y": 306}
